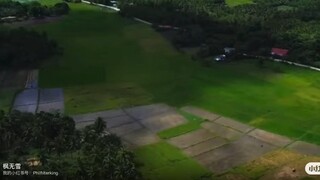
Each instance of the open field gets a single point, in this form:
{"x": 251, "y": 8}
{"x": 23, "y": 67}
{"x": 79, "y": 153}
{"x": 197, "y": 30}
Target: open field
{"x": 98, "y": 97}
{"x": 163, "y": 161}
{"x": 103, "y": 48}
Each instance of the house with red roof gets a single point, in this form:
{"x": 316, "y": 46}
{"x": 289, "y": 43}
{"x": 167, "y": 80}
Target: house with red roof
{"x": 278, "y": 52}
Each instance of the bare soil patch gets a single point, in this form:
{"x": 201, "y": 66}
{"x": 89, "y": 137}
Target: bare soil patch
{"x": 200, "y": 112}
{"x": 191, "y": 138}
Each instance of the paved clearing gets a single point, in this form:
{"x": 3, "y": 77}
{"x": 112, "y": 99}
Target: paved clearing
{"x": 137, "y": 126}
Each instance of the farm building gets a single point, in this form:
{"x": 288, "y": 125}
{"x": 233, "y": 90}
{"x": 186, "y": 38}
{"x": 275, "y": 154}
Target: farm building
{"x": 278, "y": 52}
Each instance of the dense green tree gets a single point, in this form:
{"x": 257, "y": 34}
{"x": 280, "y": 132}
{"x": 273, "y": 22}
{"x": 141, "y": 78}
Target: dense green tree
{"x": 52, "y": 138}
{"x": 25, "y": 48}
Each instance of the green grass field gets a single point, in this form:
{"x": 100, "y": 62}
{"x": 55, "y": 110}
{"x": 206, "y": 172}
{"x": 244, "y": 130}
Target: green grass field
{"x": 237, "y": 2}
{"x": 102, "y": 49}
{"x": 163, "y": 161}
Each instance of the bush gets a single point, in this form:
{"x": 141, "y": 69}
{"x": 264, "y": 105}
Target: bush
{"x": 32, "y": 9}
{"x": 61, "y": 8}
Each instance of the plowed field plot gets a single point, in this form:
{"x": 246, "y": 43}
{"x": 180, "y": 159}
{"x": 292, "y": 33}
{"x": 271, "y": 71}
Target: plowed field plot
{"x": 137, "y": 126}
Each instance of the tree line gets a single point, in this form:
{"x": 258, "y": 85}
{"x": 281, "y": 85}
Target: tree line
{"x": 250, "y": 28}
{"x": 33, "y": 9}
{"x": 53, "y": 140}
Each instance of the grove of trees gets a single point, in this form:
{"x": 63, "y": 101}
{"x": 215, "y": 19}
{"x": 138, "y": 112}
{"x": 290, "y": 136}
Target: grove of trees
{"x": 250, "y": 28}
{"x": 52, "y": 139}
{"x": 21, "y": 48}
{"x": 32, "y": 9}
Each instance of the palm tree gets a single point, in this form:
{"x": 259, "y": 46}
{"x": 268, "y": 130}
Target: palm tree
{"x": 99, "y": 125}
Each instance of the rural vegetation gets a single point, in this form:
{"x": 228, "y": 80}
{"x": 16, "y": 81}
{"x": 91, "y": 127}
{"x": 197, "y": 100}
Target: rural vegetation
{"x": 33, "y": 48}
{"x": 53, "y": 141}
{"x": 251, "y": 28}
{"x": 112, "y": 62}
{"x": 33, "y": 9}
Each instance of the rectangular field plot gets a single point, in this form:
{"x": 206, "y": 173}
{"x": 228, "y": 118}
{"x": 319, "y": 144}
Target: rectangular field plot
{"x": 27, "y": 97}
{"x": 51, "y": 95}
